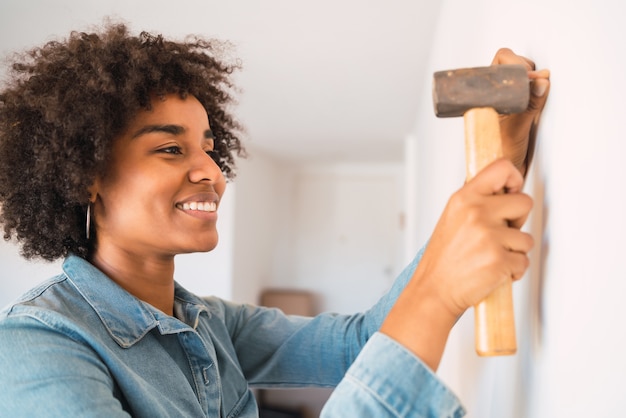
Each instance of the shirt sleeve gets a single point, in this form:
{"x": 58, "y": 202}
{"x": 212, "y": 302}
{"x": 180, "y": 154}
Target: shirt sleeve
{"x": 387, "y": 380}
{"x": 277, "y": 350}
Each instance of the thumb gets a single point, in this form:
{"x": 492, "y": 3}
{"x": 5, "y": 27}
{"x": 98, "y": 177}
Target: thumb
{"x": 497, "y": 177}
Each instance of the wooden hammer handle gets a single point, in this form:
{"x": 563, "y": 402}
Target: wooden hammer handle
{"x": 494, "y": 317}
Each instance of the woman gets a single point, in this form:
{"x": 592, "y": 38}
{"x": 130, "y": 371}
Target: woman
{"x": 114, "y": 153}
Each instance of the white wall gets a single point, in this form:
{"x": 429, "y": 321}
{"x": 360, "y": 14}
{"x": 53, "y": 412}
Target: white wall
{"x": 569, "y": 307}
{"x": 346, "y": 236}
{"x": 19, "y": 275}
{"x": 262, "y": 224}
{"x": 211, "y": 274}
{"x": 327, "y": 228}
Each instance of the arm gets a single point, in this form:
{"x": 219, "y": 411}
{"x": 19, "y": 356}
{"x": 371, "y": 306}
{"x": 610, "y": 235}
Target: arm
{"x": 475, "y": 247}
{"x": 285, "y": 347}
{"x": 470, "y": 214}
{"x": 386, "y": 380}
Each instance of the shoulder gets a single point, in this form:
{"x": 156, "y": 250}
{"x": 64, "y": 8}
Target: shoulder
{"x": 55, "y": 306}
{"x": 44, "y": 321}
{"x": 38, "y": 298}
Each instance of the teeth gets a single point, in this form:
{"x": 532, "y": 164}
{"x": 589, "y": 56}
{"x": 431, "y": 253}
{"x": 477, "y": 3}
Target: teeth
{"x": 202, "y": 206}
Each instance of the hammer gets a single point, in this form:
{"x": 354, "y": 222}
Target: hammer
{"x": 480, "y": 94}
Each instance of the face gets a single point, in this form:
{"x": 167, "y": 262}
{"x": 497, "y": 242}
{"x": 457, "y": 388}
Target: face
{"x": 160, "y": 193}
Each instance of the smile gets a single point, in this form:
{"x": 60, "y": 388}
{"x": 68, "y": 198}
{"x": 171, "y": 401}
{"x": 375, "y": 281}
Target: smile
{"x": 200, "y": 206}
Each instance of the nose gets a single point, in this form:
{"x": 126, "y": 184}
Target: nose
{"x": 204, "y": 168}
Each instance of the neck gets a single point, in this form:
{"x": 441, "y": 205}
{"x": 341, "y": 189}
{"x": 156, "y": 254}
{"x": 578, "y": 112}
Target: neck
{"x": 149, "y": 278}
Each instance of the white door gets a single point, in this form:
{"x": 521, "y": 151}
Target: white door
{"x": 348, "y": 238}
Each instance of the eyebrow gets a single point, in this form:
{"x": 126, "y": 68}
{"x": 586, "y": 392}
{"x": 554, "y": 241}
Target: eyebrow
{"x": 169, "y": 129}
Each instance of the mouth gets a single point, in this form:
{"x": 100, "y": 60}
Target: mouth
{"x": 198, "y": 206}
{"x": 201, "y": 203}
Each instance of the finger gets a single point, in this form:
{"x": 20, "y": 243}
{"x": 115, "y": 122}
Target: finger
{"x": 508, "y": 57}
{"x": 539, "y": 86}
{"x": 517, "y": 264}
{"x": 516, "y": 240}
{"x": 539, "y": 80}
{"x": 518, "y": 222}
{"x": 501, "y": 175}
{"x": 545, "y": 73}
{"x": 510, "y": 209}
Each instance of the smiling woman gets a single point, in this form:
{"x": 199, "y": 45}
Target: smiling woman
{"x": 158, "y": 196}
{"x": 114, "y": 154}
{"x": 67, "y": 101}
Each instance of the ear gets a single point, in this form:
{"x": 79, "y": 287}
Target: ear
{"x": 93, "y": 190}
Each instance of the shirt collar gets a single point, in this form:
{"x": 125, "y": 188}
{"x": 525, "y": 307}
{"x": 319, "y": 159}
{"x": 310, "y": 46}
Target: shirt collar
{"x": 126, "y": 318}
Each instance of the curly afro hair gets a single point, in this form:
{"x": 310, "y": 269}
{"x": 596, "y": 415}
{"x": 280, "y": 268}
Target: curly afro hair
{"x": 64, "y": 103}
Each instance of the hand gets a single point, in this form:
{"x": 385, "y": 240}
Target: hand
{"x": 476, "y": 246}
{"x": 519, "y": 130}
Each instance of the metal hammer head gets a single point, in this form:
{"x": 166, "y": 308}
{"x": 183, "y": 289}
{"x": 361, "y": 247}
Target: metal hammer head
{"x": 504, "y": 88}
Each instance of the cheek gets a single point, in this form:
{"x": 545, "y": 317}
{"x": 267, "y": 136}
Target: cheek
{"x": 127, "y": 186}
{"x": 220, "y": 187}
{"x": 134, "y": 195}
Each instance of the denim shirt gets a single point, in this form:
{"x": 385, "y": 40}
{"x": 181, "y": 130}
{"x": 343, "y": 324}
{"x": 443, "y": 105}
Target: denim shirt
{"x": 79, "y": 345}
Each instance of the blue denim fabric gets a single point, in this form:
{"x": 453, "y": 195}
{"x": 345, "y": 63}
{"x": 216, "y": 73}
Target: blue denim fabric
{"x": 80, "y": 346}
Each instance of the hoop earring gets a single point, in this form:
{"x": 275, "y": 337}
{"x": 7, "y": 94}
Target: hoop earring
{"x": 88, "y": 223}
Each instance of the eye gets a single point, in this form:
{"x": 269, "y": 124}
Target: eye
{"x": 174, "y": 150}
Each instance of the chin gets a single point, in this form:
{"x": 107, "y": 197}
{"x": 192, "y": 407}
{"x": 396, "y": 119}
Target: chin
{"x": 206, "y": 246}
{"x": 196, "y": 249}
{"x": 199, "y": 243}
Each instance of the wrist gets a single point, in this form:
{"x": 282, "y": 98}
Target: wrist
{"x": 421, "y": 322}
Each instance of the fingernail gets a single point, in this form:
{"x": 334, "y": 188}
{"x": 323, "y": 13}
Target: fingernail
{"x": 545, "y": 73}
{"x": 539, "y": 87}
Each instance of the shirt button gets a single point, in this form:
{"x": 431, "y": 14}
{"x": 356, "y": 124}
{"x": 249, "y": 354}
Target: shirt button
{"x": 206, "y": 375}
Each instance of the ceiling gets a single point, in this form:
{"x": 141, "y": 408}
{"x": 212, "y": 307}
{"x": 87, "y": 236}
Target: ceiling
{"x": 321, "y": 81}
